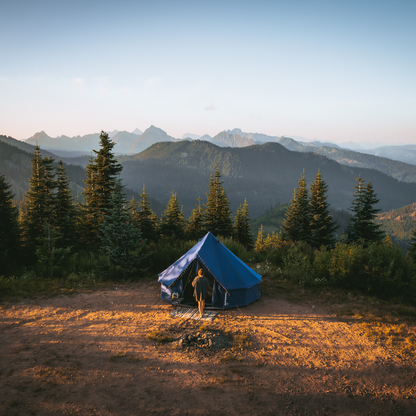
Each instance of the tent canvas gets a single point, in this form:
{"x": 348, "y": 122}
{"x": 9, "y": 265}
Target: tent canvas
{"x": 232, "y": 282}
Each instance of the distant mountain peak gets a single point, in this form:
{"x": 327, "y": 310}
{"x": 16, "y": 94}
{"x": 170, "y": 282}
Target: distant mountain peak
{"x": 235, "y": 131}
{"x": 137, "y": 131}
{"x": 40, "y": 134}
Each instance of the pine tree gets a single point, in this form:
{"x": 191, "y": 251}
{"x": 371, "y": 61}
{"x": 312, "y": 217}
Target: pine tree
{"x": 64, "y": 208}
{"x": 121, "y": 241}
{"x": 39, "y": 203}
{"x": 133, "y": 212}
{"x": 217, "y": 216}
{"x": 144, "y": 218}
{"x": 101, "y": 180}
{"x": 412, "y": 247}
{"x": 172, "y": 221}
{"x": 296, "y": 224}
{"x": 53, "y": 259}
{"x": 259, "y": 246}
{"x": 362, "y": 224}
{"x": 321, "y": 227}
{"x": 9, "y": 229}
{"x": 242, "y": 232}
{"x": 195, "y": 226}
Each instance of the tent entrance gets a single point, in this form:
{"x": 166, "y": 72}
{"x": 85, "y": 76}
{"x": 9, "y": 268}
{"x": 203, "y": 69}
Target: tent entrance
{"x": 188, "y": 290}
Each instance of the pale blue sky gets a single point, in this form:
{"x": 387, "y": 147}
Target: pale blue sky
{"x": 330, "y": 70}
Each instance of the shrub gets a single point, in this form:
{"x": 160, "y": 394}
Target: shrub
{"x": 297, "y": 263}
{"x": 236, "y": 248}
{"x": 378, "y": 269}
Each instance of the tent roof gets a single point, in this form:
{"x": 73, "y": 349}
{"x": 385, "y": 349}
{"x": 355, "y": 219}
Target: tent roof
{"x": 227, "y": 268}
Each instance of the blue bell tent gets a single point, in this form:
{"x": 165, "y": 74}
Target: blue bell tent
{"x": 232, "y": 282}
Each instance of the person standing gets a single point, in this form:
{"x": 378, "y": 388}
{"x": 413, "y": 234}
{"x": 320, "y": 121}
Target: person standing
{"x": 200, "y": 285}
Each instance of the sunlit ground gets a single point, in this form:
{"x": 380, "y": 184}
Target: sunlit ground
{"x": 91, "y": 353}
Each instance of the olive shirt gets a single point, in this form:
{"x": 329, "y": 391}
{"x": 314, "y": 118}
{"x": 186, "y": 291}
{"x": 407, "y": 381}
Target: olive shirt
{"x": 200, "y": 285}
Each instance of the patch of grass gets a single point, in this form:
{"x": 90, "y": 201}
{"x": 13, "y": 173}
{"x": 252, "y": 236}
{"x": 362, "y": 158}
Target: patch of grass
{"x": 221, "y": 379}
{"x": 118, "y": 356}
{"x": 158, "y": 337}
{"x": 229, "y": 358}
{"x": 388, "y": 329}
{"x": 44, "y": 373}
{"x": 236, "y": 370}
{"x": 240, "y": 341}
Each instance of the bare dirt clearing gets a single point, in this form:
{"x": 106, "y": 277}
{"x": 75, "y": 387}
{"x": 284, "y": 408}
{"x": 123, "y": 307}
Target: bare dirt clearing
{"x": 91, "y": 353}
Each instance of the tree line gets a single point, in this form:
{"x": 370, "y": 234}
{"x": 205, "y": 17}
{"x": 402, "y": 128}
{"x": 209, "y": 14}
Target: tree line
{"x": 52, "y": 234}
{"x": 51, "y": 228}
{"x": 308, "y": 219}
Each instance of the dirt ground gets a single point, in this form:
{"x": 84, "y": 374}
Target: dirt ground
{"x": 91, "y": 354}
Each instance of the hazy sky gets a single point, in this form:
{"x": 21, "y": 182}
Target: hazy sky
{"x": 330, "y": 70}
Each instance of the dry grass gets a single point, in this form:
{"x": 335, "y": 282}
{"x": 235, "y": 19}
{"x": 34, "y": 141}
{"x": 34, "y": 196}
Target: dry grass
{"x": 388, "y": 323}
{"x": 389, "y": 330}
{"x": 118, "y": 356}
{"x": 240, "y": 341}
{"x": 158, "y": 337}
{"x": 229, "y": 358}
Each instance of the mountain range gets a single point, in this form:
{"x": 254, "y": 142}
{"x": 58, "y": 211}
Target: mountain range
{"x": 137, "y": 141}
{"x": 264, "y": 173}
{"x": 126, "y": 142}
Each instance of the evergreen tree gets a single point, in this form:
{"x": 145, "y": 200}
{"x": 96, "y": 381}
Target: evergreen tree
{"x": 172, "y": 222}
{"x": 296, "y": 224}
{"x": 259, "y": 246}
{"x": 144, "y": 218}
{"x": 217, "y": 217}
{"x": 53, "y": 259}
{"x": 321, "y": 227}
{"x": 412, "y": 247}
{"x": 134, "y": 212}
{"x": 242, "y": 230}
{"x": 9, "y": 229}
{"x": 272, "y": 241}
{"x": 64, "y": 208}
{"x": 101, "y": 180}
{"x": 39, "y": 203}
{"x": 195, "y": 226}
{"x": 362, "y": 224}
{"x": 121, "y": 241}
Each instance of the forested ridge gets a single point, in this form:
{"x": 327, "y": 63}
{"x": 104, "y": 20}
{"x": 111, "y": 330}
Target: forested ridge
{"x": 399, "y": 222}
{"x": 264, "y": 174}
{"x": 15, "y": 164}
